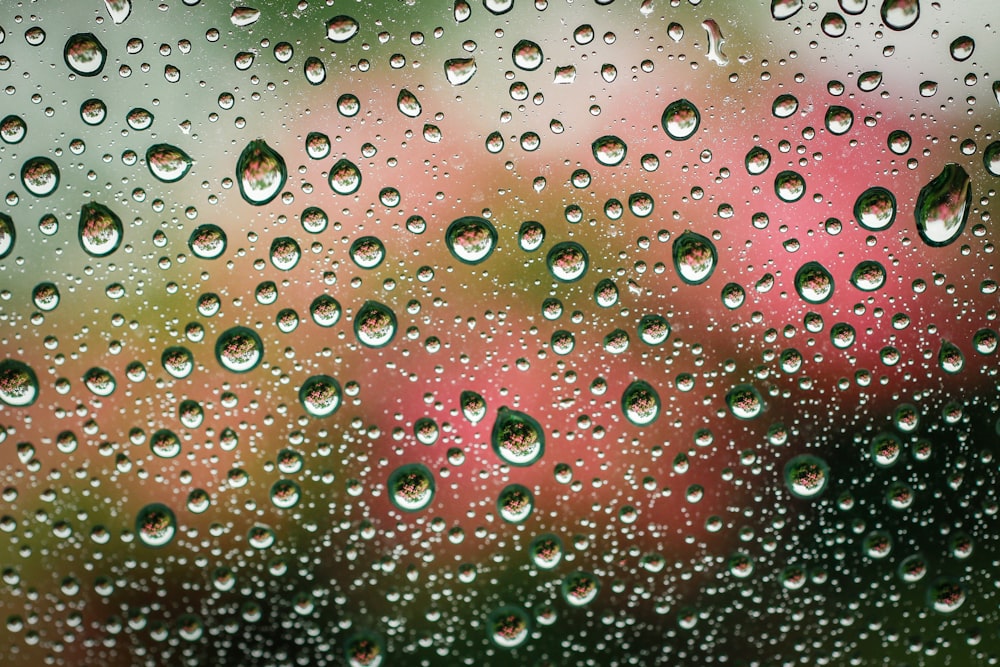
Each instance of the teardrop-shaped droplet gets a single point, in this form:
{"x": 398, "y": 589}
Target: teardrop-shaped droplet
{"x": 260, "y": 172}
{"x": 814, "y": 283}
{"x": 84, "y": 54}
{"x": 341, "y": 28}
{"x": 640, "y": 403}
{"x": 900, "y": 14}
{"x": 156, "y": 525}
{"x": 784, "y": 106}
{"x": 13, "y": 129}
{"x": 806, "y": 476}
{"x": 680, "y": 120}
{"x": 207, "y": 241}
{"x": 345, "y": 177}
{"x": 118, "y": 10}
{"x": 100, "y": 230}
{"x": 609, "y": 150}
{"x": 517, "y": 438}
{"x": 961, "y": 48}
{"x": 459, "y": 70}
{"x": 875, "y": 209}
{"x": 40, "y": 176}
{"x": 167, "y": 163}
{"x": 320, "y": 396}
{"x": 694, "y": 257}
{"x": 471, "y": 239}
{"x": 567, "y": 261}
{"x": 375, "y": 324}
{"x": 950, "y": 358}
{"x": 244, "y": 16}
{"x": 942, "y": 207}
{"x": 461, "y": 10}
{"x": 239, "y": 350}
{"x": 527, "y": 55}
{"x": 785, "y": 9}
{"x": 839, "y": 119}
{"x": 869, "y": 81}
{"x": 408, "y": 103}
{"x": 757, "y": 161}
{"x": 473, "y": 406}
{"x": 745, "y": 402}
{"x": 18, "y": 383}
{"x": 411, "y": 487}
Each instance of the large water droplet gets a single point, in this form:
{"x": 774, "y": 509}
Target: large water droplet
{"x": 40, "y": 176}
{"x": 45, "y": 296}
{"x": 411, "y": 487}
{"x": 177, "y": 361}
{"x": 991, "y": 158}
{"x": 640, "y": 403}
{"x": 745, "y": 402}
{"x": 285, "y": 494}
{"x": 165, "y": 444}
{"x": 868, "y": 276}
{"x": 84, "y": 54}
{"x": 118, "y": 10}
{"x": 13, "y": 129}
{"x": 806, "y": 476}
{"x": 364, "y": 650}
{"x": 942, "y": 207}
{"x": 789, "y": 186}
{"x": 785, "y": 9}
{"x": 814, "y": 283}
{"x": 320, "y": 395}
{"x": 459, "y": 70}
{"x": 8, "y": 234}
{"x": 18, "y": 383}
{"x": 100, "y": 230}
{"x": 341, "y": 28}
{"x": 546, "y": 551}
{"x": 260, "y": 172}
{"x": 950, "y": 358}
{"x": 314, "y": 70}
{"x": 609, "y": 150}
{"x": 527, "y": 55}
{"x": 515, "y": 503}
{"x": 580, "y": 588}
{"x": 284, "y": 253}
{"x": 207, "y": 241}
{"x": 839, "y": 119}
{"x": 757, "y": 161}
{"x": 567, "y": 261}
{"x": 167, "y": 163}
{"x": 498, "y": 6}
{"x": 680, "y": 120}
{"x": 946, "y": 595}
{"x": 875, "y": 209}
{"x": 408, "y": 103}
{"x": 345, "y": 177}
{"x": 517, "y": 438}
{"x": 471, "y": 239}
{"x": 155, "y": 525}
{"x": 239, "y": 349}
{"x": 375, "y": 324}
{"x": 869, "y": 81}
{"x": 473, "y": 406}
{"x": 900, "y": 14}
{"x": 325, "y": 310}
{"x": 694, "y": 257}
{"x": 508, "y": 626}
{"x": 715, "y": 42}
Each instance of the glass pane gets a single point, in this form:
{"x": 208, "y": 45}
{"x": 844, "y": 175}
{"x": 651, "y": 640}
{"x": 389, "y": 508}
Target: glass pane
{"x": 543, "y": 333}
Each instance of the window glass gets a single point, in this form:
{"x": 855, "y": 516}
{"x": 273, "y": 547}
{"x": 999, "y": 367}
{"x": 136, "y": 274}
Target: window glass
{"x": 550, "y": 332}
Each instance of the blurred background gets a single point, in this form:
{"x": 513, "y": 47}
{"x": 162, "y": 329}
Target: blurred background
{"x": 557, "y": 333}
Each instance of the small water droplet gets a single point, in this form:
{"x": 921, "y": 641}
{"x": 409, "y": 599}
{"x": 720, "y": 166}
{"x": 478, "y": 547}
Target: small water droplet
{"x": 345, "y": 177}
{"x": 45, "y": 296}
{"x": 785, "y": 9}
{"x": 745, "y": 402}
{"x": 757, "y": 161}
{"x": 789, "y": 186}
{"x": 567, "y": 261}
{"x": 580, "y": 588}
{"x": 314, "y": 70}
{"x": 869, "y": 81}
{"x": 868, "y": 276}
{"x": 508, "y": 626}
{"x": 527, "y": 55}
{"x": 118, "y": 10}
{"x": 609, "y": 150}
{"x": 515, "y": 503}
{"x": 177, "y": 361}
{"x": 13, "y": 129}
{"x": 408, "y": 103}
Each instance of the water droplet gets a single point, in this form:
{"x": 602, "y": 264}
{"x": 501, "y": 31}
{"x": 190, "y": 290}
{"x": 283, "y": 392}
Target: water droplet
{"x": 341, "y": 29}
{"x": 515, "y": 503}
{"x": 459, "y": 70}
{"x": 285, "y": 494}
{"x": 517, "y": 438}
{"x": 565, "y": 74}
{"x": 239, "y": 349}
{"x": 950, "y": 358}
{"x": 912, "y": 568}
{"x": 899, "y": 495}
{"x": 314, "y": 70}
{"x": 680, "y": 120}
{"x": 364, "y": 650}
{"x": 899, "y": 142}
{"x": 345, "y": 177}
{"x": 167, "y": 163}
{"x": 241, "y": 17}
{"x": 139, "y": 119}
{"x": 833, "y": 25}
{"x": 900, "y": 14}
{"x": 471, "y": 239}
{"x": 609, "y": 72}
{"x": 789, "y": 186}
{"x": 985, "y": 341}
{"x": 375, "y": 324}
{"x": 18, "y": 383}
{"x": 325, "y": 310}
{"x": 260, "y": 172}
{"x": 580, "y": 588}
{"x": 426, "y": 431}
{"x": 508, "y": 626}
{"x": 839, "y": 120}
{"x": 567, "y": 261}
{"x": 961, "y": 48}
{"x": 991, "y": 158}
{"x": 155, "y": 525}
{"x": 531, "y": 235}
{"x": 877, "y": 544}
{"x": 785, "y": 9}
{"x": 616, "y": 342}
{"x": 314, "y": 220}
{"x": 165, "y": 444}
{"x": 546, "y": 551}
{"x": 118, "y": 10}
{"x": 733, "y": 295}
{"x": 641, "y": 204}
{"x": 744, "y": 402}
{"x": 40, "y": 176}
{"x": 473, "y": 406}
{"x": 869, "y": 81}
{"x": 942, "y": 207}
{"x": 284, "y": 253}
{"x": 868, "y": 276}
{"x": 100, "y": 230}
{"x": 45, "y": 296}
{"x": 757, "y": 161}
{"x": 640, "y": 403}
{"x": 408, "y": 103}
{"x": 784, "y": 106}
{"x": 320, "y": 396}
{"x": 653, "y": 329}
{"x": 875, "y": 209}
{"x": 527, "y": 55}
{"x": 885, "y": 449}
{"x": 411, "y": 487}
{"x": 609, "y": 150}
{"x": 177, "y": 361}
{"x": 13, "y": 129}
{"x": 207, "y": 241}
{"x": 348, "y": 105}
{"x": 814, "y": 283}
{"x": 93, "y": 111}
{"x": 694, "y": 257}
{"x": 498, "y": 7}
{"x": 715, "y": 42}
{"x": 84, "y": 54}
